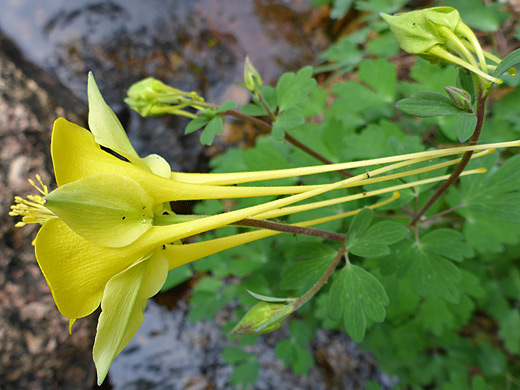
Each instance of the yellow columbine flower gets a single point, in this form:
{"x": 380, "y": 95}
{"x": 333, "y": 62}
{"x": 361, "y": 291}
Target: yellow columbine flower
{"x": 101, "y": 242}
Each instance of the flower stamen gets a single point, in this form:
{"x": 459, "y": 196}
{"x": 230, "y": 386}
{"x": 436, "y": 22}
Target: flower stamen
{"x": 32, "y": 209}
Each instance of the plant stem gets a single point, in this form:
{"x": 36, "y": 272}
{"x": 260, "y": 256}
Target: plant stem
{"x": 481, "y": 108}
{"x": 322, "y": 281}
{"x": 289, "y": 138}
{"x": 256, "y": 223}
{"x": 281, "y": 227}
{"x": 442, "y": 213}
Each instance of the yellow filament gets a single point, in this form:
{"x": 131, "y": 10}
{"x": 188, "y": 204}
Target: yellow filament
{"x": 32, "y": 209}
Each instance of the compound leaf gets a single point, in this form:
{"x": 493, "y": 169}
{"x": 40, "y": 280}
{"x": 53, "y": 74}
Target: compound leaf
{"x": 357, "y": 295}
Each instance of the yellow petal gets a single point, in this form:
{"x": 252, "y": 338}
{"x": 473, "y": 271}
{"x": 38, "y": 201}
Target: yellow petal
{"x": 123, "y": 304}
{"x": 158, "y": 165}
{"x": 104, "y": 124}
{"x": 75, "y": 155}
{"x": 108, "y": 210}
{"x": 77, "y": 270}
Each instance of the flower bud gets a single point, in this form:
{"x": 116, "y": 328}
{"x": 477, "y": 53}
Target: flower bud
{"x": 152, "y": 97}
{"x": 264, "y": 317}
{"x": 435, "y": 34}
{"x": 252, "y": 78}
{"x": 460, "y": 98}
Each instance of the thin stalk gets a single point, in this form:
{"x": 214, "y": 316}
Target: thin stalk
{"x": 257, "y": 223}
{"x": 481, "y": 108}
{"x": 322, "y": 281}
{"x": 445, "y": 212}
{"x": 289, "y": 138}
{"x": 284, "y": 228}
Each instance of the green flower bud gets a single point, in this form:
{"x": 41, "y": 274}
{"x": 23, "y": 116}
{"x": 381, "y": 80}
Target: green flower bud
{"x": 460, "y": 98}
{"x": 264, "y": 317}
{"x": 152, "y": 97}
{"x": 252, "y": 78}
{"x": 435, "y": 34}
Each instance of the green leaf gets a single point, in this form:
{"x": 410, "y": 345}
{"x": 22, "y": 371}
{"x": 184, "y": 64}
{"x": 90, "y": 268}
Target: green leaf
{"x": 448, "y": 243}
{"x": 375, "y": 241}
{"x": 304, "y": 274}
{"x": 253, "y": 110}
{"x": 213, "y": 128}
{"x": 356, "y": 295}
{"x": 510, "y": 61}
{"x": 509, "y": 325}
{"x": 426, "y": 104}
{"x": 431, "y": 275}
{"x": 465, "y": 123}
{"x": 372, "y": 385}
{"x": 492, "y": 361}
{"x": 234, "y": 355}
{"x": 294, "y": 355}
{"x": 506, "y": 178}
{"x": 376, "y": 6}
{"x": 122, "y": 307}
{"x": 340, "y": 8}
{"x": 435, "y": 316}
{"x": 288, "y": 119}
{"x": 228, "y": 105}
{"x": 343, "y": 54}
{"x": 270, "y": 98}
{"x": 246, "y": 374}
{"x": 360, "y": 224}
{"x": 293, "y": 88}
{"x": 479, "y": 15}
{"x": 372, "y": 242}
{"x": 196, "y": 124}
{"x": 465, "y": 81}
{"x": 177, "y": 276}
{"x": 381, "y": 76}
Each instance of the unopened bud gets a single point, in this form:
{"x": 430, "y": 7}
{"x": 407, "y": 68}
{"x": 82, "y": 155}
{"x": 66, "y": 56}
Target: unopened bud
{"x": 264, "y": 317}
{"x": 460, "y": 98}
{"x": 435, "y": 34}
{"x": 252, "y": 78}
{"x": 152, "y": 97}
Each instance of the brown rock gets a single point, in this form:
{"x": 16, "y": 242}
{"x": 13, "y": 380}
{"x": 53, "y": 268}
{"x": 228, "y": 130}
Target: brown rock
{"x": 36, "y": 351}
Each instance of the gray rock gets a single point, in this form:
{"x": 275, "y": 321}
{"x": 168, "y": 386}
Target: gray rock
{"x": 36, "y": 351}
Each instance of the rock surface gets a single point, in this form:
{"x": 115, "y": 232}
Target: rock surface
{"x": 36, "y": 351}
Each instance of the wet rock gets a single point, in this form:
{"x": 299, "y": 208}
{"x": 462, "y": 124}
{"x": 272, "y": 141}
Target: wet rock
{"x": 36, "y": 351}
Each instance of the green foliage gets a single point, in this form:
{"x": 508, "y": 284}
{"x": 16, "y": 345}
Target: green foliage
{"x": 481, "y": 16}
{"x": 292, "y": 351}
{"x": 436, "y": 302}
{"x": 372, "y": 241}
{"x": 357, "y": 295}
{"x": 425, "y": 104}
{"x": 246, "y": 368}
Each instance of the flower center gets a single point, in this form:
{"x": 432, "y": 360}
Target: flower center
{"x": 32, "y": 209}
